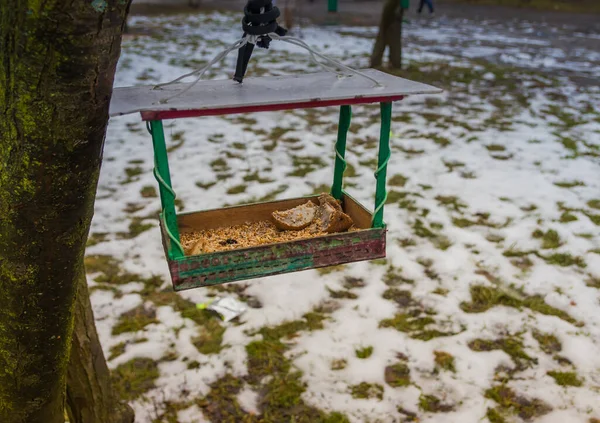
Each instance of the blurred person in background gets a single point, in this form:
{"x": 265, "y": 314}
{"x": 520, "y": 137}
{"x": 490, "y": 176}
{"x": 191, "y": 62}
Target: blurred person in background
{"x": 429, "y": 4}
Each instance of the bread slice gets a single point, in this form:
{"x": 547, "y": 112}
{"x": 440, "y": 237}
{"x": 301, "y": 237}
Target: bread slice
{"x": 297, "y": 218}
{"x": 328, "y": 199}
{"x": 334, "y": 220}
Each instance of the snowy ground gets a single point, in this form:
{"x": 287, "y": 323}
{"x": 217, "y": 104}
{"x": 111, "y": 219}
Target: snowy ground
{"x": 486, "y": 308}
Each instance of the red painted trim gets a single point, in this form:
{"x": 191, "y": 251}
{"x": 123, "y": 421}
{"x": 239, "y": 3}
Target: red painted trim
{"x": 178, "y": 114}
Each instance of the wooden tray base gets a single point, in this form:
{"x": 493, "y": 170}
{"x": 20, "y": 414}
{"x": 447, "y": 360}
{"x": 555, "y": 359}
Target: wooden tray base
{"x": 266, "y": 260}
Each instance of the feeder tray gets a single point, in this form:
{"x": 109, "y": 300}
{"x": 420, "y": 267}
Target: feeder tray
{"x": 223, "y": 97}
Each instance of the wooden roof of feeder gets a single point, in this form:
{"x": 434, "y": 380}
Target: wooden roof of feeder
{"x": 268, "y": 93}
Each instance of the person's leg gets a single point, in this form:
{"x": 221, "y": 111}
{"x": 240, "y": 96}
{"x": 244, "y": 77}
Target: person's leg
{"x": 429, "y": 5}
{"x": 421, "y": 4}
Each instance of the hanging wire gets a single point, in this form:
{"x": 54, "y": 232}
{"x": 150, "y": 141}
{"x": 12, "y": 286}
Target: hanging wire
{"x": 200, "y": 72}
{"x": 327, "y": 63}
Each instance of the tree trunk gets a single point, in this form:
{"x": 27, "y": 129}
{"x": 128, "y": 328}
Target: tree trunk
{"x": 57, "y": 64}
{"x": 90, "y": 398}
{"x": 290, "y": 13}
{"x": 395, "y": 39}
{"x": 390, "y": 34}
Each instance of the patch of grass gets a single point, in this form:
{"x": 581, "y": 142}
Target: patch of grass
{"x": 221, "y": 403}
{"x": 393, "y": 277}
{"x": 117, "y": 350}
{"x": 136, "y": 227}
{"x": 451, "y": 202}
{"x": 330, "y": 269}
{"x": 398, "y": 180}
{"x": 495, "y": 147}
{"x": 110, "y": 270}
{"x": 133, "y": 379}
{"x": 170, "y": 355}
{"x": 432, "y": 404}
{"x": 397, "y": 375}
{"x": 193, "y": 365}
{"x": 440, "y": 291}
{"x": 512, "y": 346}
{"x": 548, "y": 342}
{"x": 177, "y": 140}
{"x": 594, "y": 204}
{"x": 148, "y": 192}
{"x": 348, "y": 295}
{"x": 565, "y": 378}
{"x": 484, "y": 298}
{"x": 494, "y": 416}
{"x": 366, "y": 390}
{"x": 364, "y": 352}
{"x": 550, "y": 239}
{"x": 96, "y": 238}
{"x": 508, "y": 400}
{"x": 209, "y": 339}
{"x": 305, "y": 165}
{"x": 238, "y": 189}
{"x": 565, "y": 260}
{"x": 255, "y": 177}
{"x": 339, "y": 364}
{"x": 205, "y": 185}
{"x": 414, "y": 325}
{"x": 401, "y": 297}
{"x": 451, "y": 165}
{"x": 422, "y": 231}
{"x": 131, "y": 174}
{"x": 569, "y": 184}
{"x": 444, "y": 361}
{"x": 281, "y": 393}
{"x": 567, "y": 217}
{"x": 351, "y": 282}
{"x": 287, "y": 330}
{"x": 482, "y": 220}
{"x": 219, "y": 165}
{"x": 439, "y": 140}
{"x": 494, "y": 238}
{"x": 170, "y": 410}
{"x": 595, "y": 218}
{"x": 593, "y": 282}
{"x": 135, "y": 320}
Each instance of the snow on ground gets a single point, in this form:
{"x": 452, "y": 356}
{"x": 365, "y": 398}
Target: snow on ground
{"x": 486, "y": 308}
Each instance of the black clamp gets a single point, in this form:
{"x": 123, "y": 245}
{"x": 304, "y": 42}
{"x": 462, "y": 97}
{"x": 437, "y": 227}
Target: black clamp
{"x": 260, "y": 19}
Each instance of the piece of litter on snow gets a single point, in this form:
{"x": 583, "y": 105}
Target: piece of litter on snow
{"x": 228, "y": 308}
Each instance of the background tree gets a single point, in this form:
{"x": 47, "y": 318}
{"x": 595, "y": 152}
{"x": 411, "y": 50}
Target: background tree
{"x": 57, "y": 64}
{"x": 390, "y": 34}
{"x": 290, "y": 13}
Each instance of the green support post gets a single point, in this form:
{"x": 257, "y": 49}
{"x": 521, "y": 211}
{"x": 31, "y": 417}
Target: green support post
{"x": 340, "y": 151}
{"x": 384, "y": 157}
{"x": 167, "y": 195}
{"x": 332, "y": 6}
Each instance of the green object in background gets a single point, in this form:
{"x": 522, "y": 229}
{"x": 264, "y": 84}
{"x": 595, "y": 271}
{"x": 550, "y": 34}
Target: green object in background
{"x": 332, "y": 5}
{"x": 405, "y": 4}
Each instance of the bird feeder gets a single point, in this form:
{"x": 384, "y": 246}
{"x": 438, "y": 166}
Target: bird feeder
{"x": 262, "y": 94}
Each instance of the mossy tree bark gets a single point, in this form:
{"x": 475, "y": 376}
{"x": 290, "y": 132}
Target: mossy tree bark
{"x": 57, "y": 64}
{"x": 90, "y": 397}
{"x": 390, "y": 34}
